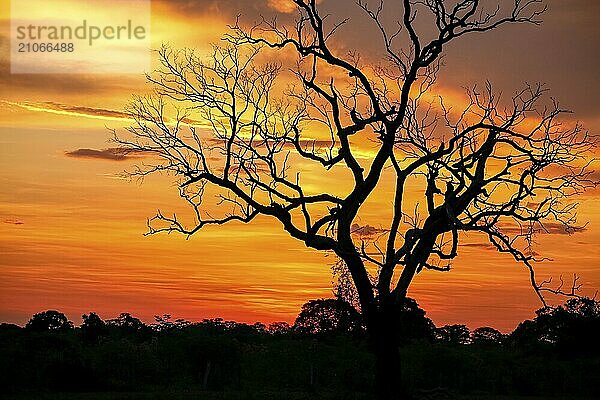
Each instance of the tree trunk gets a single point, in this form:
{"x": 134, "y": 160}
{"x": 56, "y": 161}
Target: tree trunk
{"x": 206, "y": 374}
{"x": 385, "y": 346}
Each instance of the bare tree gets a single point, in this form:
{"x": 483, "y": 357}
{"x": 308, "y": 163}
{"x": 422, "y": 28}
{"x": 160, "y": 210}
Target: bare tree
{"x": 504, "y": 169}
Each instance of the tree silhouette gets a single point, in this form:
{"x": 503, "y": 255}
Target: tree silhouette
{"x": 92, "y": 326}
{"x": 571, "y": 328}
{"x": 453, "y": 334}
{"x": 279, "y": 328}
{"x": 502, "y": 168}
{"x": 328, "y": 316}
{"x": 165, "y": 323}
{"x": 50, "y": 320}
{"x": 412, "y": 323}
{"x": 487, "y": 335}
{"x": 127, "y": 324}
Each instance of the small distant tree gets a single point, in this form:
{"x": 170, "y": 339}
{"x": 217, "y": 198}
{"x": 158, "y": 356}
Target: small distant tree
{"x": 9, "y": 328}
{"x": 279, "y": 328}
{"x": 328, "y": 316}
{"x": 215, "y": 325}
{"x": 50, "y": 320}
{"x": 525, "y": 335}
{"x": 453, "y": 334}
{"x": 573, "y": 327}
{"x": 259, "y": 327}
{"x": 127, "y": 324}
{"x": 165, "y": 323}
{"x": 413, "y": 324}
{"x": 487, "y": 335}
{"x": 500, "y": 168}
{"x": 92, "y": 321}
{"x": 92, "y": 326}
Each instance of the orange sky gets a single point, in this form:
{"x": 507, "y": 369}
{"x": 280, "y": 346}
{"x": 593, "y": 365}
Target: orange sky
{"x": 71, "y": 230}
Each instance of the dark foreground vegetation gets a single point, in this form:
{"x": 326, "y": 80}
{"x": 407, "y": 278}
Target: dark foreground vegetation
{"x": 325, "y": 354}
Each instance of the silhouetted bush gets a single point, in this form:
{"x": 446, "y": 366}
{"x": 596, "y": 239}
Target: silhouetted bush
{"x": 487, "y": 336}
{"x": 413, "y": 324}
{"x": 328, "y": 316}
{"x": 453, "y": 334}
{"x": 573, "y": 328}
{"x": 50, "y": 320}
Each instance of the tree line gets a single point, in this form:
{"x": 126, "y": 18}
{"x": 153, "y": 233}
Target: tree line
{"x": 326, "y": 350}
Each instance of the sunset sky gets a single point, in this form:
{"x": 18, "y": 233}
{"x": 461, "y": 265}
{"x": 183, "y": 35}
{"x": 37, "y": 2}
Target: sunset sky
{"x": 71, "y": 230}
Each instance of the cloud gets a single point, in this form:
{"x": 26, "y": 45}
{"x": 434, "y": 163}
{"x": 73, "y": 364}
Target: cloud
{"x": 13, "y": 221}
{"x": 533, "y": 204}
{"x": 284, "y": 6}
{"x": 318, "y": 146}
{"x": 111, "y": 154}
{"x": 64, "y": 109}
{"x": 484, "y": 246}
{"x": 209, "y": 7}
{"x": 53, "y": 85}
{"x": 91, "y": 112}
{"x": 366, "y": 231}
{"x": 555, "y": 228}
{"x": 308, "y": 143}
{"x": 231, "y": 8}
{"x": 544, "y": 228}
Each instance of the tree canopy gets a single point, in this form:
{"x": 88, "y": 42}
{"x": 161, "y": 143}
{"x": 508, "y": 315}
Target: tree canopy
{"x": 50, "y": 320}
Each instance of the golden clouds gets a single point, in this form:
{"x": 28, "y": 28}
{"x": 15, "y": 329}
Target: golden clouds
{"x": 76, "y": 111}
{"x": 284, "y": 6}
{"x": 110, "y": 154}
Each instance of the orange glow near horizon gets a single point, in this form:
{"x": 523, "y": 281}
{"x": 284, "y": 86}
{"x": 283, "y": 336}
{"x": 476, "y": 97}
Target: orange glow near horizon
{"x": 71, "y": 230}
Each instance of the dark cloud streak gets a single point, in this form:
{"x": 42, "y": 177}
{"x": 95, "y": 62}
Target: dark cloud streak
{"x": 110, "y": 154}
{"x": 13, "y": 221}
{"x": 92, "y": 111}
